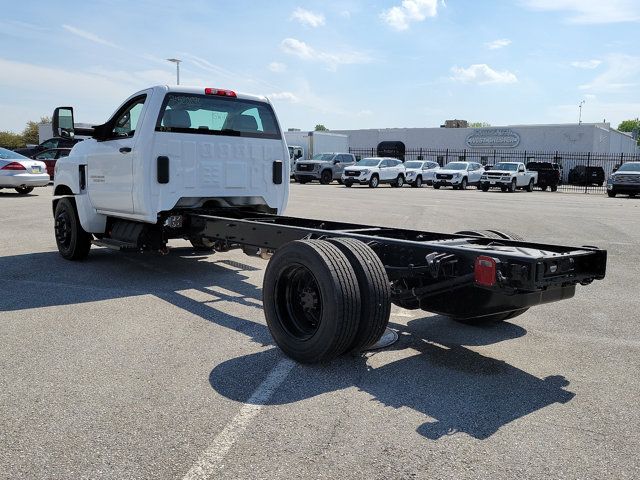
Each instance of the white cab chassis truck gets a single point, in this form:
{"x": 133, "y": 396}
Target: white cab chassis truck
{"x": 210, "y": 166}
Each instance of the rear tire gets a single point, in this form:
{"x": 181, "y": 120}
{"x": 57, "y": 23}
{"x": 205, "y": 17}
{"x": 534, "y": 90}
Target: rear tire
{"x": 530, "y": 186}
{"x": 72, "y": 241}
{"x": 24, "y": 190}
{"x": 374, "y": 181}
{"x": 311, "y": 300}
{"x": 375, "y": 291}
{"x": 554, "y": 188}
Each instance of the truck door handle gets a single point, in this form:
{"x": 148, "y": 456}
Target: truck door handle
{"x": 125, "y": 149}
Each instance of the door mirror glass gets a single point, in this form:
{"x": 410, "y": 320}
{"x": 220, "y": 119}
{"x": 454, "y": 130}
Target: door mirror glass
{"x": 63, "y": 125}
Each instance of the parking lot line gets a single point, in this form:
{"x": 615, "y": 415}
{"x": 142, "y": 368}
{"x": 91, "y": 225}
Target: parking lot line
{"x": 210, "y": 460}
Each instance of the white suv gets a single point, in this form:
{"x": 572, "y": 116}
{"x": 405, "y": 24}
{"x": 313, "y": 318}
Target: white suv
{"x": 374, "y": 171}
{"x": 419, "y": 172}
{"x": 458, "y": 175}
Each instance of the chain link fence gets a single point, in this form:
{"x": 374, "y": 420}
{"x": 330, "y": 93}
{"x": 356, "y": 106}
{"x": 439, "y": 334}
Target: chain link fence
{"x": 580, "y": 172}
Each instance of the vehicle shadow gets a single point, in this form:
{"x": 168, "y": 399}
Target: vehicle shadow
{"x": 459, "y": 389}
{"x": 437, "y": 374}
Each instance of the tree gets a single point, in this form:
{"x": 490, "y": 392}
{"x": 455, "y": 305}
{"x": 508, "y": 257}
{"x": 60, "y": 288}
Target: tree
{"x": 479, "y": 124}
{"x": 321, "y": 128}
{"x": 30, "y": 132}
{"x": 11, "y": 140}
{"x": 630, "y": 126}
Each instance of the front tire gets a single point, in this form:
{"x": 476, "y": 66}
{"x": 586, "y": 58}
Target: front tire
{"x": 348, "y": 184}
{"x": 326, "y": 177}
{"x": 436, "y": 186}
{"x": 417, "y": 183}
{"x": 399, "y": 181}
{"x": 554, "y": 188}
{"x": 463, "y": 184}
{"x": 513, "y": 185}
{"x": 24, "y": 190}
{"x": 311, "y": 300}
{"x": 374, "y": 181}
{"x": 611, "y": 193}
{"x": 484, "y": 188}
{"x": 72, "y": 241}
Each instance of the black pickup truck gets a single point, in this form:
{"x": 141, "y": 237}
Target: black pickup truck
{"x": 549, "y": 174}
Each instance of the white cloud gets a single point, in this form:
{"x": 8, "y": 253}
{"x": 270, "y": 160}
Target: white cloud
{"x": 277, "y": 67}
{"x": 304, "y": 51}
{"x": 500, "y": 43}
{"x": 590, "y": 11}
{"x": 285, "y": 96}
{"x": 307, "y": 17}
{"x": 622, "y": 73}
{"x": 399, "y": 17}
{"x": 92, "y": 37}
{"x": 586, "y": 64}
{"x": 482, "y": 74}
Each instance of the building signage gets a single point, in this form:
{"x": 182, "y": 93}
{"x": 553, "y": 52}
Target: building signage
{"x": 493, "y": 138}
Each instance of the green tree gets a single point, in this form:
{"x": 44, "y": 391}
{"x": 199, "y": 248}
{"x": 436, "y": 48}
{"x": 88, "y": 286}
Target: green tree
{"x": 30, "y": 132}
{"x": 630, "y": 126}
{"x": 479, "y": 124}
{"x": 11, "y": 140}
{"x": 321, "y": 128}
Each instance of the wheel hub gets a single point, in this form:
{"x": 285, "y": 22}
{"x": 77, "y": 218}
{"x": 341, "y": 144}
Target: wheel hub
{"x": 308, "y": 299}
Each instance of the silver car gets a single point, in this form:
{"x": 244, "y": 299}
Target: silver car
{"x": 21, "y": 173}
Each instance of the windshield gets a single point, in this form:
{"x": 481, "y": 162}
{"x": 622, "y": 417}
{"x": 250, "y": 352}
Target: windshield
{"x": 369, "y": 162}
{"x": 413, "y": 164}
{"x": 11, "y": 155}
{"x": 512, "y": 167}
{"x": 630, "y": 167}
{"x": 213, "y": 115}
{"x": 325, "y": 157}
{"x": 455, "y": 166}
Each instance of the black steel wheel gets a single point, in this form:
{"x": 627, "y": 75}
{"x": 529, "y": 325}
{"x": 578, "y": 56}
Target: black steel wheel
{"x": 326, "y": 177}
{"x": 72, "y": 241}
{"x": 311, "y": 300}
{"x": 374, "y": 181}
{"x": 611, "y": 193}
{"x": 375, "y": 291}
{"x": 24, "y": 190}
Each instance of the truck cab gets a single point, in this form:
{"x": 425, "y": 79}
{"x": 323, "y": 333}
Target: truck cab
{"x": 174, "y": 148}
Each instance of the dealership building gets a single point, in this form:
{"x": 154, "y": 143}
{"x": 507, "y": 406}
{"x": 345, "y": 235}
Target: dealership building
{"x": 573, "y": 137}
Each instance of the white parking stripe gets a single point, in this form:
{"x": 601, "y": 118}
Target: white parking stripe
{"x": 211, "y": 458}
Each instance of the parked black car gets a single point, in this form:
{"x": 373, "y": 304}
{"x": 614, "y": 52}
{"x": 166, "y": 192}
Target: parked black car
{"x": 583, "y": 175}
{"x": 55, "y": 142}
{"x": 549, "y": 174}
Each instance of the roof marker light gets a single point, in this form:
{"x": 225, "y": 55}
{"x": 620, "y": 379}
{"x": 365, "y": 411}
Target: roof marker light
{"x": 220, "y": 92}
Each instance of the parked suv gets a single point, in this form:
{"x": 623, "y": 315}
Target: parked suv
{"x": 419, "y": 172}
{"x": 625, "y": 180}
{"x": 583, "y": 175}
{"x": 374, "y": 171}
{"x": 325, "y": 167}
{"x": 458, "y": 175}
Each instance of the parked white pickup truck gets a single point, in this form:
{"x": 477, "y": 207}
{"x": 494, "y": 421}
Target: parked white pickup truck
{"x": 211, "y": 166}
{"x": 508, "y": 176}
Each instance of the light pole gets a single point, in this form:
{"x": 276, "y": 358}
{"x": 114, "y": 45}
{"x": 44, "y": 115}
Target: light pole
{"x": 580, "y": 115}
{"x": 177, "y": 62}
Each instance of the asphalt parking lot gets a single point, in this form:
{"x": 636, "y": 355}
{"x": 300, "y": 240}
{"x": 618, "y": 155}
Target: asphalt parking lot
{"x": 146, "y": 366}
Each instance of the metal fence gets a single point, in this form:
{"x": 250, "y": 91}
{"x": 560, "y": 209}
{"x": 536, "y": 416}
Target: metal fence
{"x": 580, "y": 172}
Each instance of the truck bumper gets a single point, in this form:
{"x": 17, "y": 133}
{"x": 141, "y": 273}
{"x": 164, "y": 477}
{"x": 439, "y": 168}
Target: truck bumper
{"x": 623, "y": 189}
{"x": 494, "y": 184}
{"x": 306, "y": 177}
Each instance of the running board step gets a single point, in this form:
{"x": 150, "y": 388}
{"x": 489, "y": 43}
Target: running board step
{"x": 116, "y": 245}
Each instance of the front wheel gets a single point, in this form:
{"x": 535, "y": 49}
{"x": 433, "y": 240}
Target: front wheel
{"x": 484, "y": 188}
{"x": 72, "y": 241}
{"x": 326, "y": 177}
{"x": 24, "y": 190}
{"x": 417, "y": 183}
{"x": 436, "y": 186}
{"x": 611, "y": 193}
{"x": 348, "y": 184}
{"x": 513, "y": 186}
{"x": 374, "y": 181}
{"x": 399, "y": 181}
{"x": 463, "y": 184}
{"x": 554, "y": 188}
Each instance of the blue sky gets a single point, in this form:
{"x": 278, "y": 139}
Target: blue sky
{"x": 345, "y": 64}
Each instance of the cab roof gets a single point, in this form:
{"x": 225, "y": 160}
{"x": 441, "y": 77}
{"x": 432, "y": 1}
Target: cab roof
{"x": 201, "y": 91}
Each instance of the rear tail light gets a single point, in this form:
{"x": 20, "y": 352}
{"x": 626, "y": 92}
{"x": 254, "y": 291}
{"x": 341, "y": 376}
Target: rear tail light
{"x": 220, "y": 92}
{"x": 484, "y": 271}
{"x": 13, "y": 166}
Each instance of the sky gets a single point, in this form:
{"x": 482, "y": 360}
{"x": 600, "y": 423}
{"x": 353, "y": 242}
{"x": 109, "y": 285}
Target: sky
{"x": 345, "y": 64}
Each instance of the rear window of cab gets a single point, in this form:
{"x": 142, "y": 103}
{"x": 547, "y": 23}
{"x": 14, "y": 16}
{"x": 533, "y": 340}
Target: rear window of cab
{"x": 212, "y": 115}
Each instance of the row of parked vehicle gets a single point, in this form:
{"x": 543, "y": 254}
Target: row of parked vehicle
{"x": 347, "y": 170}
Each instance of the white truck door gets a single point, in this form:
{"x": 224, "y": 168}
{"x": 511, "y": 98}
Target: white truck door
{"x": 110, "y": 165}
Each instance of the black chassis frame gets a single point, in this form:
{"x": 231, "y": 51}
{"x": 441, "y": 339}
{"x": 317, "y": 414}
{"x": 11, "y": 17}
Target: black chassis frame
{"x": 428, "y": 270}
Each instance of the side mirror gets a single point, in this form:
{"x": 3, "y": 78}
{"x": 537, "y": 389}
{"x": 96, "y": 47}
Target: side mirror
{"x": 521, "y": 170}
{"x": 63, "y": 125}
